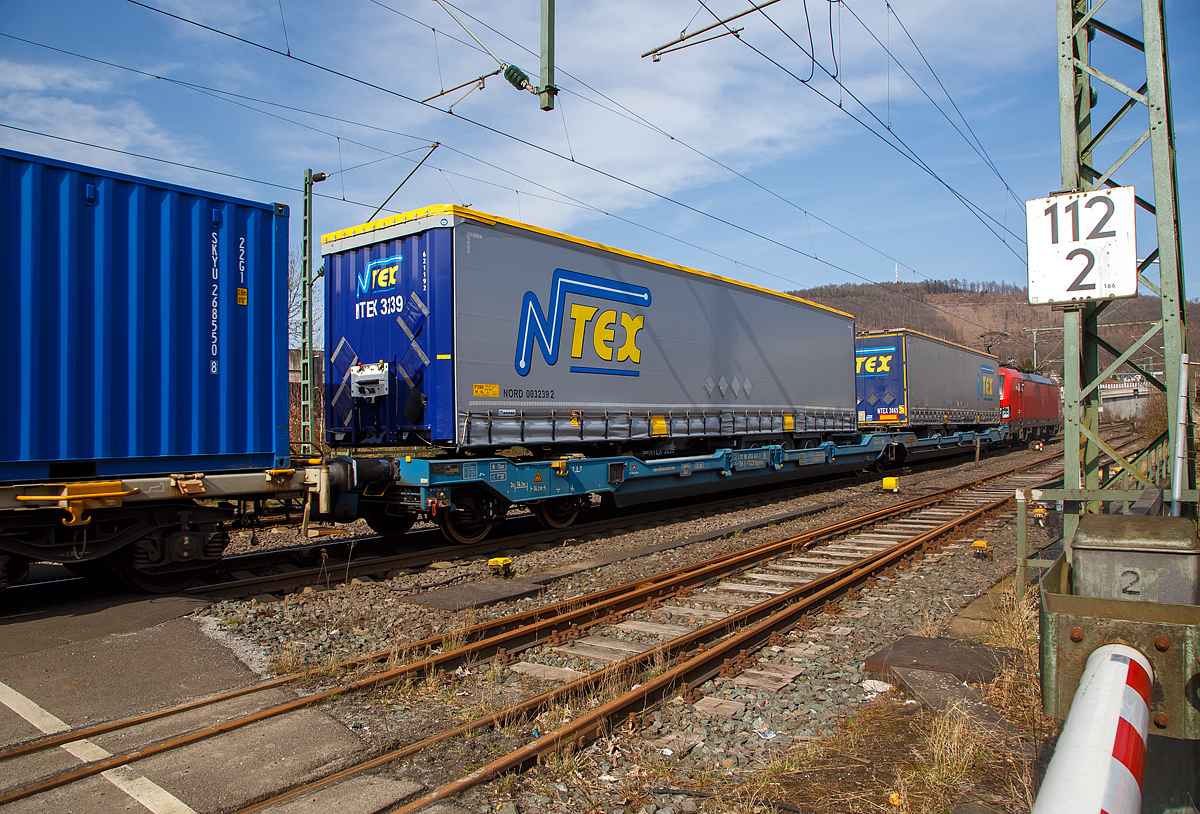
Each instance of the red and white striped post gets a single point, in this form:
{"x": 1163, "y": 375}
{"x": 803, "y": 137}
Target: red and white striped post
{"x": 1098, "y": 764}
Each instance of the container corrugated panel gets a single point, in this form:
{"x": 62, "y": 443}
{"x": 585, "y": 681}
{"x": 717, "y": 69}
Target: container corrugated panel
{"x": 905, "y": 378}
{"x": 518, "y": 335}
{"x": 144, "y": 325}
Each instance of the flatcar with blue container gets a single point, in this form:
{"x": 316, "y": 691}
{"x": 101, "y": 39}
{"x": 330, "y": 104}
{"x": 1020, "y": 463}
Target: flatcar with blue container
{"x": 145, "y": 325}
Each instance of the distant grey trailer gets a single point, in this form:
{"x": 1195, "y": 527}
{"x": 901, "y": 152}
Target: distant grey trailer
{"x": 454, "y": 327}
{"x": 908, "y": 379}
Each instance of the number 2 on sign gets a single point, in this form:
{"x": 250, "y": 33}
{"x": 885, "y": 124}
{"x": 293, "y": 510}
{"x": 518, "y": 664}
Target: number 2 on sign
{"x": 1089, "y": 263}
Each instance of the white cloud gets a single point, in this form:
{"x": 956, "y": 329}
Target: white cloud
{"x": 48, "y": 99}
{"x": 38, "y": 78}
{"x": 720, "y": 97}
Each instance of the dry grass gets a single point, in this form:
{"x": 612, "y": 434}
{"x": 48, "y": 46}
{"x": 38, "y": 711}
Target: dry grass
{"x": 1016, "y": 692}
{"x": 856, "y": 768}
{"x": 954, "y": 748}
{"x": 658, "y": 664}
{"x": 1154, "y": 416}
{"x": 927, "y": 760}
{"x": 927, "y": 625}
{"x": 457, "y": 637}
{"x": 290, "y": 660}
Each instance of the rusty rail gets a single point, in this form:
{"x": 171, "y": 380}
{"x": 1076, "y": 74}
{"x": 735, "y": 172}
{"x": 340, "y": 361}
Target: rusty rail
{"x": 521, "y": 631}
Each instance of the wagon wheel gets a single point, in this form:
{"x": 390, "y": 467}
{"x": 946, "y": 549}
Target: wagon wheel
{"x": 161, "y": 582}
{"x": 463, "y": 525}
{"x": 386, "y": 524}
{"x": 556, "y": 513}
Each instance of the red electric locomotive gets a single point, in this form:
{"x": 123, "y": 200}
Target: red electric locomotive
{"x": 1030, "y": 405}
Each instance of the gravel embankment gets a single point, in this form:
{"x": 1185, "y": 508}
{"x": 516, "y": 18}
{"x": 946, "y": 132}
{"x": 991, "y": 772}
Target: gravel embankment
{"x": 346, "y": 620}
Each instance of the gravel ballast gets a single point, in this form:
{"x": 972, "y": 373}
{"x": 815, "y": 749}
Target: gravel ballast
{"x": 677, "y": 744}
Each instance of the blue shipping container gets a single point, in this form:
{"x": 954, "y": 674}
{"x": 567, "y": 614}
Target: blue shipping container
{"x": 144, "y": 323}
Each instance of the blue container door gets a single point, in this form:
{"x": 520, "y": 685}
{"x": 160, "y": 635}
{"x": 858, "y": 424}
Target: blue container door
{"x": 879, "y": 378}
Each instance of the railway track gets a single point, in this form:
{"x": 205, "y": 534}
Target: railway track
{"x": 699, "y": 621}
{"x": 286, "y": 569}
{"x": 279, "y": 570}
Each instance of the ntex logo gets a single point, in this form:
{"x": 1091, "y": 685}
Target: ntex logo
{"x": 869, "y": 362}
{"x": 547, "y": 330}
{"x": 378, "y": 276}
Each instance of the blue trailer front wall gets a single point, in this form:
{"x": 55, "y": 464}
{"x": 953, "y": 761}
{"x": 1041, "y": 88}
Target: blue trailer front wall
{"x": 368, "y": 304}
{"x": 879, "y": 379}
{"x": 144, "y": 322}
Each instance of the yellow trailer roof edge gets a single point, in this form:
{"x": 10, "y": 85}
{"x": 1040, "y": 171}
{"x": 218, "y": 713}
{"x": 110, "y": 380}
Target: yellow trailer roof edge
{"x": 901, "y": 331}
{"x": 491, "y": 220}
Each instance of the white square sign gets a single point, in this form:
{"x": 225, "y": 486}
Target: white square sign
{"x": 1082, "y": 246}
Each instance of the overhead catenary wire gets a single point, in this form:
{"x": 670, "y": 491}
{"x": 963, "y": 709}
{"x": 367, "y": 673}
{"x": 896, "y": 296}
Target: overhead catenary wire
{"x": 907, "y": 151}
{"x": 974, "y": 143}
{"x": 446, "y": 8}
{"x": 559, "y": 200}
{"x": 667, "y": 198}
{"x": 359, "y": 203}
{"x": 413, "y": 172}
{"x": 444, "y": 172}
{"x": 181, "y": 164}
{"x": 518, "y": 139}
{"x": 644, "y": 122}
{"x": 286, "y": 41}
{"x": 638, "y": 119}
{"x": 526, "y": 142}
{"x": 900, "y": 146}
{"x": 632, "y": 116}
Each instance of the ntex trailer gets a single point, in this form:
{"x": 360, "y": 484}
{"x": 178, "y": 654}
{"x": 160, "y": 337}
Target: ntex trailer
{"x": 451, "y": 327}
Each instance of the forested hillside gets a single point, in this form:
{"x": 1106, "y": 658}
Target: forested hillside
{"x": 998, "y": 315}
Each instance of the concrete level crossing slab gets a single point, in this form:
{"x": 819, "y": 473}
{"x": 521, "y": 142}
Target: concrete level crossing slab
{"x": 144, "y": 662}
{"x": 546, "y": 672}
{"x": 653, "y": 628}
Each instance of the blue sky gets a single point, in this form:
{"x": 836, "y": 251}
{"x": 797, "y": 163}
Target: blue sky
{"x": 714, "y": 158}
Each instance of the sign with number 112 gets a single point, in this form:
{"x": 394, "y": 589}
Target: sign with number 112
{"x": 1082, "y": 246}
